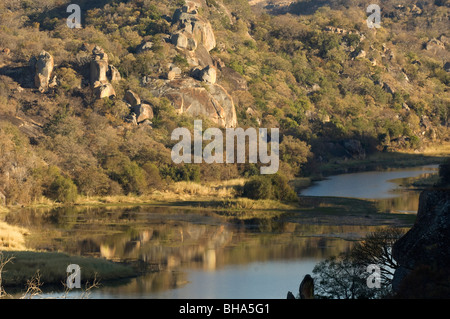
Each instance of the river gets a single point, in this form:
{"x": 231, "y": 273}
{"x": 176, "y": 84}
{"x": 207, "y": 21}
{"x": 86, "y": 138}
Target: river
{"x": 199, "y": 254}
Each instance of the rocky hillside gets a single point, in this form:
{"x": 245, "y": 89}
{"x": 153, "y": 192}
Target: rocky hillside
{"x": 90, "y": 110}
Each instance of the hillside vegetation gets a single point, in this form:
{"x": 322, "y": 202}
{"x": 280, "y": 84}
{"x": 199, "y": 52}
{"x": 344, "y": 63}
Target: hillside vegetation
{"x": 335, "y": 88}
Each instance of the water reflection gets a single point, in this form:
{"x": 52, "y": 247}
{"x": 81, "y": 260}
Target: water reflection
{"x": 176, "y": 246}
{"x": 383, "y": 187}
{"x": 201, "y": 254}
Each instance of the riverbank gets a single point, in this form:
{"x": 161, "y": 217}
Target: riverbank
{"x": 225, "y": 195}
{"x": 383, "y": 161}
{"x": 189, "y": 196}
{"x": 31, "y": 268}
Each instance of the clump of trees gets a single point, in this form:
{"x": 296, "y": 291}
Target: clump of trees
{"x": 346, "y": 276}
{"x": 274, "y": 186}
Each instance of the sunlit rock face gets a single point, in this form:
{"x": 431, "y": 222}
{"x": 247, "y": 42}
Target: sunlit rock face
{"x": 101, "y": 74}
{"x": 44, "y": 65}
{"x": 199, "y": 98}
{"x": 192, "y": 29}
{"x": 99, "y": 66}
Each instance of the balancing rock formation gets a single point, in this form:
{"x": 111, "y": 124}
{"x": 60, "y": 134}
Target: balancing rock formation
{"x": 101, "y": 73}
{"x": 43, "y": 65}
{"x": 198, "y": 94}
{"x": 193, "y": 30}
{"x": 140, "y": 111}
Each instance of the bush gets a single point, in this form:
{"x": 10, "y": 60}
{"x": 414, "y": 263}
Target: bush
{"x": 62, "y": 190}
{"x": 92, "y": 181}
{"x": 258, "y": 187}
{"x": 281, "y": 189}
{"x": 152, "y": 174}
{"x": 177, "y": 173}
{"x": 130, "y": 176}
{"x": 269, "y": 187}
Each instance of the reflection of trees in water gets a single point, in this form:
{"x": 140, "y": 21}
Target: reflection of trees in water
{"x": 172, "y": 239}
{"x": 405, "y": 202}
{"x": 154, "y": 282}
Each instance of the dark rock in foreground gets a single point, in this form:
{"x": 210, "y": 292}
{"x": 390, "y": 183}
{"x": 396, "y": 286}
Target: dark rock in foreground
{"x": 424, "y": 252}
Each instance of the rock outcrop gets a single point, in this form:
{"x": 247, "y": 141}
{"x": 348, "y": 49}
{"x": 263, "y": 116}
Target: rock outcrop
{"x": 192, "y": 30}
{"x": 99, "y": 66}
{"x": 43, "y": 66}
{"x": 193, "y": 35}
{"x": 423, "y": 252}
{"x": 113, "y": 74}
{"x": 140, "y": 111}
{"x": 132, "y": 98}
{"x": 103, "y": 90}
{"x": 434, "y": 45}
{"x": 145, "y": 46}
{"x": 207, "y": 74}
{"x": 192, "y": 97}
{"x": 197, "y": 92}
{"x": 101, "y": 73}
{"x": 173, "y": 73}
{"x": 143, "y": 112}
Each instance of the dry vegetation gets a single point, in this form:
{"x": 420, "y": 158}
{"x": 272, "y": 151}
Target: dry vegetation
{"x": 12, "y": 237}
{"x": 332, "y": 108}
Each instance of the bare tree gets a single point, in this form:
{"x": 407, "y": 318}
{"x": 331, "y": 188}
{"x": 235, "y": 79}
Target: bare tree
{"x": 4, "y": 260}
{"x": 86, "y": 292}
{"x": 376, "y": 248}
{"x": 345, "y": 276}
{"x": 33, "y": 287}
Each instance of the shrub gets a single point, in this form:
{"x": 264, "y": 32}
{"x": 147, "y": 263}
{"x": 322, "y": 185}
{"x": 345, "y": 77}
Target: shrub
{"x": 129, "y": 175}
{"x": 258, "y": 187}
{"x": 62, "y": 190}
{"x": 93, "y": 181}
{"x": 269, "y": 187}
{"x": 152, "y": 174}
{"x": 68, "y": 79}
{"x": 281, "y": 189}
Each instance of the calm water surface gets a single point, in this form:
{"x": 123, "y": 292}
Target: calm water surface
{"x": 203, "y": 255}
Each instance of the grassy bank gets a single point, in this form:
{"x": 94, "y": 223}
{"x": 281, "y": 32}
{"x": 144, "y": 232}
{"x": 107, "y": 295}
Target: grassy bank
{"x": 385, "y": 160}
{"x": 215, "y": 195}
{"x": 225, "y": 195}
{"x": 52, "y": 266}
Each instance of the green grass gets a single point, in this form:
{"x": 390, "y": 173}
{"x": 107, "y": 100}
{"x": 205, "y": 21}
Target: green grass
{"x": 52, "y": 268}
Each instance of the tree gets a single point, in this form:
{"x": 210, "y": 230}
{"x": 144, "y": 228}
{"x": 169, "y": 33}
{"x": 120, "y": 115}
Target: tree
{"x": 4, "y": 260}
{"x": 345, "y": 276}
{"x": 62, "y": 190}
{"x": 338, "y": 277}
{"x": 274, "y": 186}
{"x": 258, "y": 187}
{"x": 376, "y": 249}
